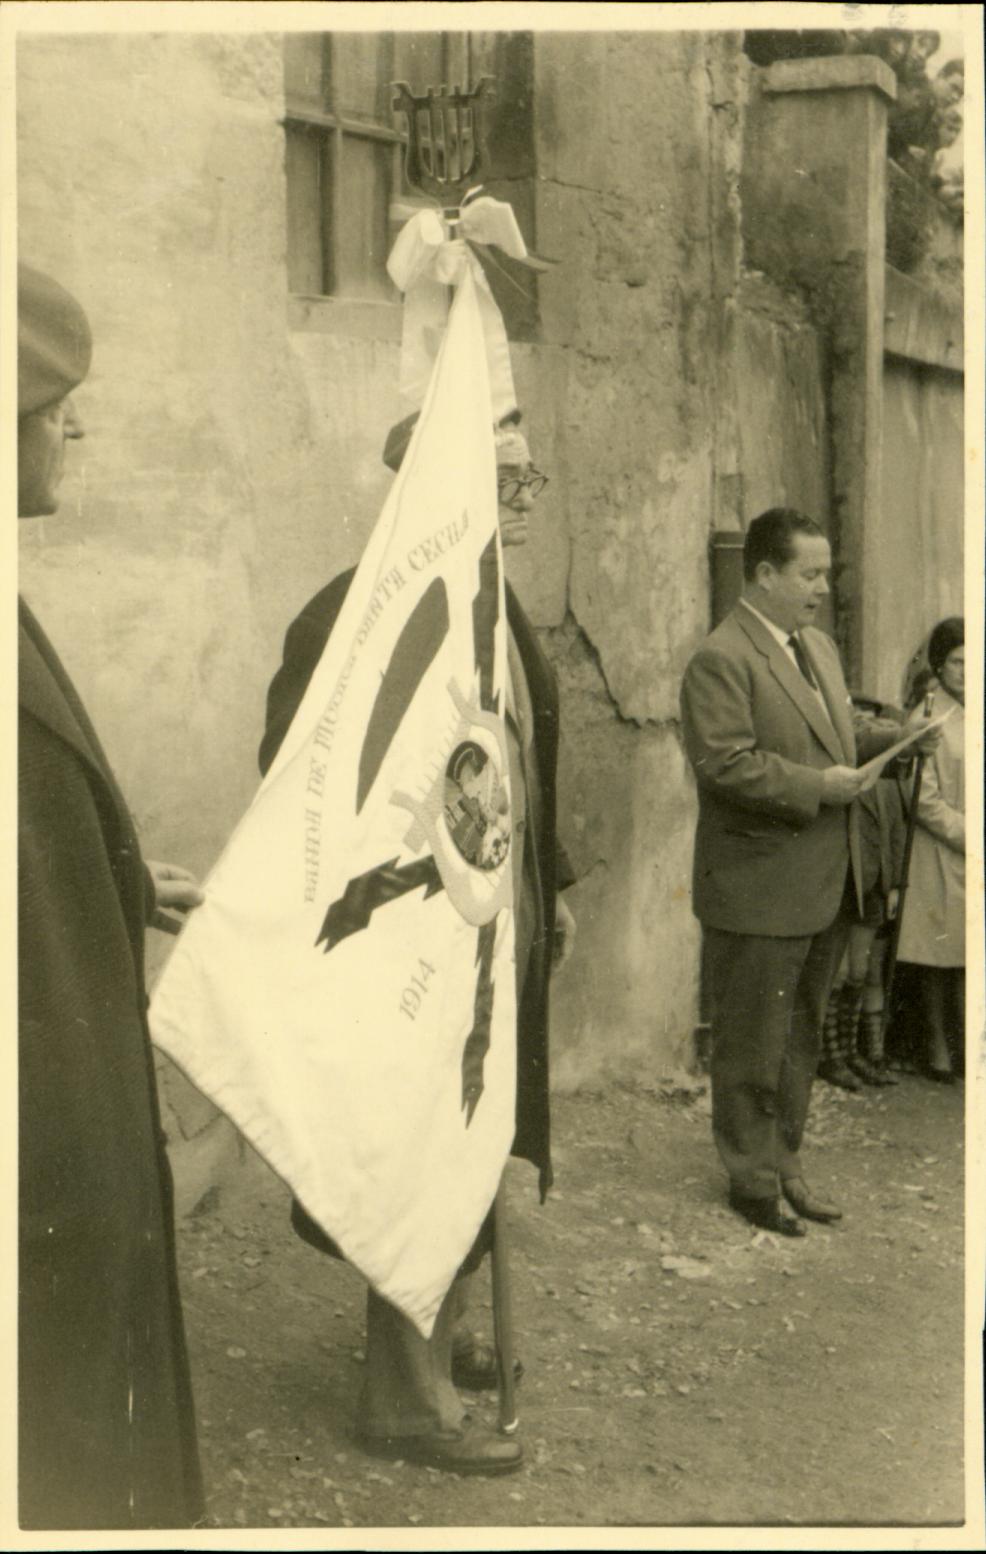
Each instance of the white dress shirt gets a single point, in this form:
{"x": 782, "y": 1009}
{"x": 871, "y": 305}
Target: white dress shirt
{"x": 784, "y": 638}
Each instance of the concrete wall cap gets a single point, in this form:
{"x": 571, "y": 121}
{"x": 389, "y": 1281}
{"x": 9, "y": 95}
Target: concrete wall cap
{"x": 838, "y": 73}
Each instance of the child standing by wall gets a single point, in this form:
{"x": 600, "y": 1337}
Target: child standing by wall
{"x": 852, "y": 1043}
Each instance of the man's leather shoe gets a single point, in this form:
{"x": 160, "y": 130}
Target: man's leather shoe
{"x": 839, "y": 1074}
{"x": 941, "y": 1076}
{"x": 766, "y": 1213}
{"x": 804, "y": 1202}
{"x": 474, "y": 1370}
{"x": 871, "y": 1073}
{"x": 472, "y": 1449}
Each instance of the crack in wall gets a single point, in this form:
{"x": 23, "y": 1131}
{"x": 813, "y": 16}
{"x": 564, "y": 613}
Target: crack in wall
{"x": 597, "y": 863}
{"x": 719, "y": 214}
{"x": 563, "y": 183}
{"x": 571, "y": 629}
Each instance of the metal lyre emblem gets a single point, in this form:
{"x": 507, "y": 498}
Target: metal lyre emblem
{"x": 446, "y": 151}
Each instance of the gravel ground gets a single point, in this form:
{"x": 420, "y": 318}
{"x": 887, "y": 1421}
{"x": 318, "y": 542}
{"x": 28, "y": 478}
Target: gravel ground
{"x": 680, "y": 1367}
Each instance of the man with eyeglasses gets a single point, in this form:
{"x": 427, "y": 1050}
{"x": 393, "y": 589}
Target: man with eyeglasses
{"x": 518, "y": 483}
{"x": 410, "y": 1408}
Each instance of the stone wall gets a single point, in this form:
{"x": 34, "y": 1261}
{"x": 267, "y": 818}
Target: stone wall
{"x": 920, "y": 526}
{"x": 816, "y": 208}
{"x": 234, "y": 446}
{"x": 917, "y": 534}
{"x": 638, "y": 143}
{"x": 216, "y": 481}
{"x": 778, "y": 383}
{"x": 231, "y": 465}
{"x": 925, "y": 239}
{"x": 234, "y": 436}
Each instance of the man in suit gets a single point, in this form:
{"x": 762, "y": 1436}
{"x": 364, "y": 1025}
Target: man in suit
{"x": 410, "y": 1407}
{"x": 768, "y": 728}
{"x": 106, "y": 1430}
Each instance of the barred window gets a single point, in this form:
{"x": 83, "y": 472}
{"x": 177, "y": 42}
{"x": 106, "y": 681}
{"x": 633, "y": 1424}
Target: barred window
{"x": 343, "y": 152}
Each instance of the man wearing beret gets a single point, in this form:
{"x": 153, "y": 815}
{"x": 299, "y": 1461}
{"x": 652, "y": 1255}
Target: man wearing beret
{"x": 106, "y": 1430}
{"x": 410, "y": 1407}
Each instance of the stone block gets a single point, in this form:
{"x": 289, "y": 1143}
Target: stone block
{"x": 839, "y": 73}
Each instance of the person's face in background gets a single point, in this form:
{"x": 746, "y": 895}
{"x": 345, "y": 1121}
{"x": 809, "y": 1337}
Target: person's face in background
{"x": 41, "y": 439}
{"x": 924, "y": 44}
{"x": 513, "y": 464}
{"x": 952, "y": 677}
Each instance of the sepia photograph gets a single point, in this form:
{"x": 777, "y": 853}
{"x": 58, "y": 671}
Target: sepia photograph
{"x": 499, "y": 499}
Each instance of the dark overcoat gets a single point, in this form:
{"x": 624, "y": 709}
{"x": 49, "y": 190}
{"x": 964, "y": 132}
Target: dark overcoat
{"x": 303, "y": 646}
{"x": 107, "y": 1437}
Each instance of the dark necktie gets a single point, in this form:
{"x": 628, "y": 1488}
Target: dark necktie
{"x": 802, "y": 660}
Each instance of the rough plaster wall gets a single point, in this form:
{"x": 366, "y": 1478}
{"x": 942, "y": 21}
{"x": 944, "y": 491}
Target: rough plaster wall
{"x": 625, "y": 1005}
{"x": 625, "y": 199}
{"x": 151, "y": 182}
{"x": 233, "y": 464}
{"x": 920, "y": 532}
{"x": 635, "y": 171}
{"x": 778, "y": 387}
{"x": 230, "y": 467}
{"x": 814, "y": 199}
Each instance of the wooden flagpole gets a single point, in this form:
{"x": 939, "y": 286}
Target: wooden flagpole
{"x": 503, "y": 1333}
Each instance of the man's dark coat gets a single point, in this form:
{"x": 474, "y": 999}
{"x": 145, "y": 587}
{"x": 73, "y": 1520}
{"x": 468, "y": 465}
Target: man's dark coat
{"x": 303, "y": 646}
{"x": 107, "y": 1436}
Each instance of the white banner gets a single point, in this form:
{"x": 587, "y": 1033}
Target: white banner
{"x": 346, "y": 992}
{"x": 424, "y": 262}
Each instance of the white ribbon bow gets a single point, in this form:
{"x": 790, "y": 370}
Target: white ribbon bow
{"x": 423, "y": 263}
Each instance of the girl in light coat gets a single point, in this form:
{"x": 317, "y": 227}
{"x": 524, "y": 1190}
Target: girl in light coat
{"x": 933, "y": 927}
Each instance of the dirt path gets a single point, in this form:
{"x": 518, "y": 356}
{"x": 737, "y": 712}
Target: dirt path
{"x": 680, "y": 1368}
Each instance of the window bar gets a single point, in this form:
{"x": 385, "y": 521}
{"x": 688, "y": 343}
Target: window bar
{"x": 325, "y": 235}
{"x": 337, "y": 142}
{"x": 298, "y": 113}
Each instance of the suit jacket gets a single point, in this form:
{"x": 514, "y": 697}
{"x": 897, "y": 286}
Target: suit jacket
{"x": 106, "y": 1428}
{"x": 303, "y": 646}
{"x": 770, "y": 858}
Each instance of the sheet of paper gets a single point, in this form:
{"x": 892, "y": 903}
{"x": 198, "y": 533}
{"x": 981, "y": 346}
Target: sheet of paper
{"x": 871, "y": 771}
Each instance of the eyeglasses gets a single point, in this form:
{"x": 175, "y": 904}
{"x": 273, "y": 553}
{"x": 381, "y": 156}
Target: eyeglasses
{"x": 509, "y": 487}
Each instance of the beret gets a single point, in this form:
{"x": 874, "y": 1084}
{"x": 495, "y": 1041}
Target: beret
{"x": 54, "y": 342}
{"x": 399, "y": 437}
